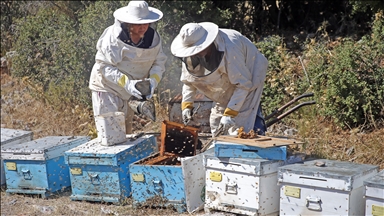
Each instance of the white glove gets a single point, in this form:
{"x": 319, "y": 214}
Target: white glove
{"x": 187, "y": 115}
{"x": 131, "y": 89}
{"x": 226, "y": 122}
{"x": 153, "y": 83}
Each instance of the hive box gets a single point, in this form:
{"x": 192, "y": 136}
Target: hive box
{"x": 174, "y": 176}
{"x": 101, "y": 173}
{"x": 323, "y": 187}
{"x": 242, "y": 185}
{"x": 244, "y": 151}
{"x": 271, "y": 148}
{"x": 37, "y": 167}
{"x": 10, "y": 137}
{"x": 374, "y": 195}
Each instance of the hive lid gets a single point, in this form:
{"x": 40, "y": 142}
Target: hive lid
{"x": 95, "y": 149}
{"x": 43, "y": 148}
{"x": 376, "y": 181}
{"x": 329, "y": 169}
{"x": 259, "y": 141}
{"x": 178, "y": 139}
{"x": 9, "y": 135}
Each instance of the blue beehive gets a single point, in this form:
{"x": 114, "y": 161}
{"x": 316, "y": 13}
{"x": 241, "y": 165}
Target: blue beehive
{"x": 37, "y": 167}
{"x": 11, "y": 137}
{"x": 270, "y": 148}
{"x": 101, "y": 173}
{"x": 244, "y": 151}
{"x": 174, "y": 176}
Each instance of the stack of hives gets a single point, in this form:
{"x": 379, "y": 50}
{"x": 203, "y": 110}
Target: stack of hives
{"x": 255, "y": 175}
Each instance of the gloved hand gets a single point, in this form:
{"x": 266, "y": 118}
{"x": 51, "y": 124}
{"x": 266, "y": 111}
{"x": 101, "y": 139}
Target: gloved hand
{"x": 131, "y": 89}
{"x": 226, "y": 122}
{"x": 187, "y": 115}
{"x": 153, "y": 83}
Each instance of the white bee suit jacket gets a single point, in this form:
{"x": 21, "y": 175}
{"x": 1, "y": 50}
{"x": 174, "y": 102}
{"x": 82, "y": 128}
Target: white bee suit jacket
{"x": 114, "y": 58}
{"x": 236, "y": 84}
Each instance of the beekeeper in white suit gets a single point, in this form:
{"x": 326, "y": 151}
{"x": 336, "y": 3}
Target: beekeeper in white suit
{"x": 128, "y": 51}
{"x": 228, "y": 69}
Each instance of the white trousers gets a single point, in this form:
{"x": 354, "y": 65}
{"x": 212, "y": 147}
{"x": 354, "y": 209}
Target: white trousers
{"x": 104, "y": 102}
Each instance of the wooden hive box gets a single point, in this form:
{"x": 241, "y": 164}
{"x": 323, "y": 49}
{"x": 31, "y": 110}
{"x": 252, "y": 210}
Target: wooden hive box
{"x": 10, "y": 137}
{"x": 101, "y": 173}
{"x": 374, "y": 195}
{"x": 323, "y": 187}
{"x": 37, "y": 167}
{"x": 244, "y": 186}
{"x": 175, "y": 175}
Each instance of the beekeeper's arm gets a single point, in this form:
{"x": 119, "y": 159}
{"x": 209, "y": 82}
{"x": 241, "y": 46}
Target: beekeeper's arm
{"x": 239, "y": 75}
{"x": 188, "y": 93}
{"x": 157, "y": 70}
{"x": 108, "y": 55}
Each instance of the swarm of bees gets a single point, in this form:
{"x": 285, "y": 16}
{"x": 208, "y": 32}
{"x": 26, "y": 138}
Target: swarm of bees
{"x": 243, "y": 135}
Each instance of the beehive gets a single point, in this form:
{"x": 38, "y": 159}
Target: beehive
{"x": 37, "y": 167}
{"x": 10, "y": 137}
{"x": 242, "y": 185}
{"x": 323, "y": 187}
{"x": 101, "y": 173}
{"x": 175, "y": 175}
{"x": 374, "y": 195}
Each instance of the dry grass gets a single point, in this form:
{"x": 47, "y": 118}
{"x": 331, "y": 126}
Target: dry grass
{"x": 18, "y": 204}
{"x": 19, "y": 110}
{"x": 324, "y": 140}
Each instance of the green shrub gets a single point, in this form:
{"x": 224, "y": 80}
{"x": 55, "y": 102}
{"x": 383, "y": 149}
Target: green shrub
{"x": 355, "y": 85}
{"x": 349, "y": 79}
{"x": 280, "y": 82}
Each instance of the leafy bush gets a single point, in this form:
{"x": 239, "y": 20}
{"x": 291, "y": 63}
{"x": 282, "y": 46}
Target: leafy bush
{"x": 349, "y": 80}
{"x": 55, "y": 47}
{"x": 280, "y": 82}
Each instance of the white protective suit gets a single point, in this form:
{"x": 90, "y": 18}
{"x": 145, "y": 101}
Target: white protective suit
{"x": 236, "y": 84}
{"x": 116, "y": 62}
{"x": 114, "y": 59}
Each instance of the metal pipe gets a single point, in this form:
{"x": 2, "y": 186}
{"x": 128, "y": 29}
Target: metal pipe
{"x": 273, "y": 121}
{"x": 288, "y": 104}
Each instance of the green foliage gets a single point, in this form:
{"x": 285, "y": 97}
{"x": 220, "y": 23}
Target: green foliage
{"x": 9, "y": 11}
{"x": 92, "y": 22}
{"x": 38, "y": 45}
{"x": 279, "y": 84}
{"x": 349, "y": 80}
{"x": 46, "y": 54}
{"x": 55, "y": 48}
{"x": 363, "y": 6}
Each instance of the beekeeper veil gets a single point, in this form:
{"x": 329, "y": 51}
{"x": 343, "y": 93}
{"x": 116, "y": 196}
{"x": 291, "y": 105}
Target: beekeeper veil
{"x": 192, "y": 44}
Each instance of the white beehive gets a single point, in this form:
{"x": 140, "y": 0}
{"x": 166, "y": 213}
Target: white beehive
{"x": 323, "y": 187}
{"x": 374, "y": 195}
{"x": 244, "y": 186}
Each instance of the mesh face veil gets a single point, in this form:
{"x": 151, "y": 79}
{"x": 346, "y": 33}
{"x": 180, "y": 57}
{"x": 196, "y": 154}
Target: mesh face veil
{"x": 203, "y": 66}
